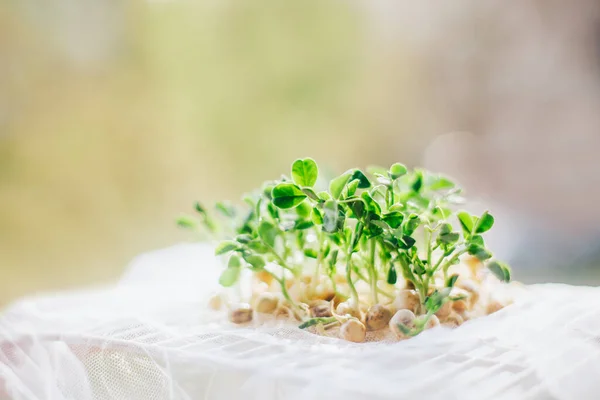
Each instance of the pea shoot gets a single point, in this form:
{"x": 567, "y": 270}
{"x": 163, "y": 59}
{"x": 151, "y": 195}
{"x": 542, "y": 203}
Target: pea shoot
{"x": 387, "y": 247}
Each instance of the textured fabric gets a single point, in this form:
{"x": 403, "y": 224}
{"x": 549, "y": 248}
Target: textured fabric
{"x": 151, "y": 336}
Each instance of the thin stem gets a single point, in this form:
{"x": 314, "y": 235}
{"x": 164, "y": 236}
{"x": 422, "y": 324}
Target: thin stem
{"x": 373, "y": 272}
{"x": 353, "y": 291}
{"x": 449, "y": 262}
{"x": 279, "y": 259}
{"x": 319, "y": 260}
{"x": 284, "y": 291}
{"x": 379, "y": 290}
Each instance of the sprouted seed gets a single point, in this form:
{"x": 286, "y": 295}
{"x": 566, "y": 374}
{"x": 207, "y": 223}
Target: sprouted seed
{"x": 266, "y": 303}
{"x": 402, "y": 318}
{"x": 407, "y": 300}
{"x": 454, "y": 320}
{"x": 433, "y": 322}
{"x": 363, "y": 244}
{"x": 347, "y": 308}
{"x": 377, "y": 317}
{"x": 320, "y": 308}
{"x": 215, "y": 302}
{"x": 353, "y": 331}
{"x": 240, "y": 313}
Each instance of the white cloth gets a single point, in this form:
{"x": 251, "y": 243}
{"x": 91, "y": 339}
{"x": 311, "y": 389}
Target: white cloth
{"x": 151, "y": 336}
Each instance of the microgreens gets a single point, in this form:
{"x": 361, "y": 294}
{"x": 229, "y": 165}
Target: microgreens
{"x": 384, "y": 224}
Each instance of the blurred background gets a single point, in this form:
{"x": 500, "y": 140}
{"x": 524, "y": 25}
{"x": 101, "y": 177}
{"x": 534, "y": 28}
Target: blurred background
{"x": 115, "y": 116}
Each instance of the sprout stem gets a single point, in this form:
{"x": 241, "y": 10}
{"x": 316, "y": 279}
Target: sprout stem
{"x": 379, "y": 290}
{"x": 319, "y": 260}
{"x": 373, "y": 271}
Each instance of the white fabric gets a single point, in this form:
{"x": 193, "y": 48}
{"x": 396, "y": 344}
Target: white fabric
{"x": 151, "y": 336}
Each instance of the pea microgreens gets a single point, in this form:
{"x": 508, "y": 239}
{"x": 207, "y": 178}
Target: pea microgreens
{"x": 382, "y": 224}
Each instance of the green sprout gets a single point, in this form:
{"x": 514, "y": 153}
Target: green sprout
{"x": 381, "y": 225}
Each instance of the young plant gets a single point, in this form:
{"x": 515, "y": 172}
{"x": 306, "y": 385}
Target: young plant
{"x": 385, "y": 225}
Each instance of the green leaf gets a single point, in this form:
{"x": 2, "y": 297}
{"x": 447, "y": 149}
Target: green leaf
{"x": 336, "y": 186}
{"x": 311, "y": 253}
{"x": 405, "y": 242}
{"x": 317, "y": 216}
{"x": 357, "y": 207}
{"x": 466, "y": 221}
{"x": 418, "y": 182}
{"x": 229, "y": 276}
{"x": 305, "y": 172}
{"x": 397, "y": 170}
{"x": 352, "y": 186}
{"x": 303, "y": 209}
{"x": 301, "y": 225}
{"x": 330, "y": 216}
{"x": 485, "y": 223}
{"x": 419, "y": 269}
{"x": 441, "y": 183}
{"x": 372, "y": 205}
{"x": 258, "y": 247}
{"x": 442, "y": 212}
{"x": 364, "y": 182}
{"x": 267, "y": 232}
{"x": 257, "y": 262}
{"x": 379, "y": 223}
{"x": 451, "y": 280}
{"x": 314, "y": 321}
{"x": 411, "y": 224}
{"x": 226, "y": 209}
{"x": 392, "y": 276}
{"x": 500, "y": 270}
{"x": 225, "y": 247}
{"x": 446, "y": 235}
{"x": 244, "y": 238}
{"x": 393, "y": 219}
{"x": 477, "y": 240}
{"x": 186, "y": 221}
{"x": 437, "y": 299}
{"x": 287, "y": 195}
{"x": 311, "y": 194}
{"x": 479, "y": 252}
{"x": 324, "y": 196}
{"x": 273, "y": 211}
{"x": 234, "y": 261}
{"x": 199, "y": 208}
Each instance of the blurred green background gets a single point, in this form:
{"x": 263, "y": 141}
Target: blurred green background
{"x": 116, "y": 116}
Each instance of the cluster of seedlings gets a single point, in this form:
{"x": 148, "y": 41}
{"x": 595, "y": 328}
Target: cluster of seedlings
{"x": 366, "y": 251}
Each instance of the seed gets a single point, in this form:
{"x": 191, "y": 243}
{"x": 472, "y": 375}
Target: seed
{"x": 377, "y": 317}
{"x": 494, "y": 306}
{"x": 264, "y": 276}
{"x": 353, "y": 331}
{"x": 444, "y": 311}
{"x": 320, "y": 308}
{"x": 471, "y": 287}
{"x": 433, "y": 322}
{"x": 454, "y": 320}
{"x": 266, "y": 303}
{"x": 240, "y": 313}
{"x": 347, "y": 308}
{"x": 215, "y": 302}
{"x": 405, "y": 317}
{"x": 407, "y": 300}
{"x": 459, "y": 306}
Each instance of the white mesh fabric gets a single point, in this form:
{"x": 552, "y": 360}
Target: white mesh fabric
{"x": 152, "y": 337}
